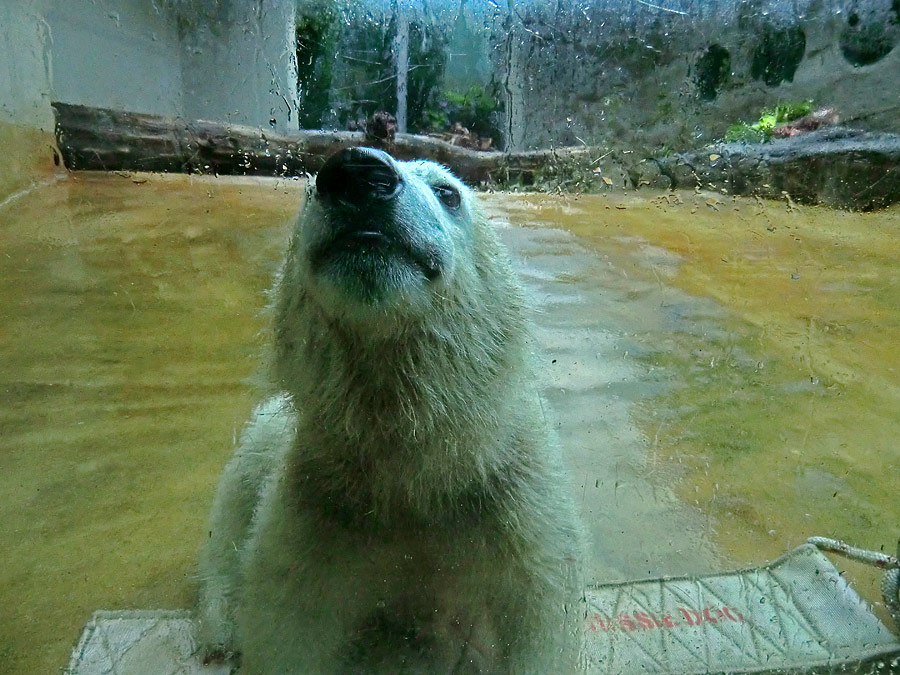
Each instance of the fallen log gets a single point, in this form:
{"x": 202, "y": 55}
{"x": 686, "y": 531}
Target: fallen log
{"x": 836, "y": 166}
{"x": 101, "y": 139}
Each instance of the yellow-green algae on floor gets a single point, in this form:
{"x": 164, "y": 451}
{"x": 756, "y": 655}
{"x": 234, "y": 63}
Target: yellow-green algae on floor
{"x": 129, "y": 323}
{"x": 783, "y": 423}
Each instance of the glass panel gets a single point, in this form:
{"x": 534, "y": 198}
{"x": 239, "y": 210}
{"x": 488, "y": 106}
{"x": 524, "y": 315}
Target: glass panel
{"x": 700, "y": 202}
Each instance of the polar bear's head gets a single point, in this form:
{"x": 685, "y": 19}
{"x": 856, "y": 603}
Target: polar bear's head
{"x": 381, "y": 237}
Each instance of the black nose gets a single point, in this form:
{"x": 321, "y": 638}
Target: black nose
{"x": 359, "y": 176}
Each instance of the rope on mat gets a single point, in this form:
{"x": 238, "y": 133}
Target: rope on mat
{"x": 890, "y": 585}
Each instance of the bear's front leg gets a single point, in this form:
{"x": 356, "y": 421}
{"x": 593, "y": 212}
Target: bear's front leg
{"x": 266, "y": 437}
{"x": 220, "y": 565}
{"x": 305, "y": 588}
{"x": 220, "y": 576}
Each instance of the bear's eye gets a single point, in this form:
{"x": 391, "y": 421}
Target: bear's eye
{"x": 448, "y": 195}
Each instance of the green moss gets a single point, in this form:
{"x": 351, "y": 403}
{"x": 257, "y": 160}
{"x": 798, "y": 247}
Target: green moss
{"x": 745, "y": 133}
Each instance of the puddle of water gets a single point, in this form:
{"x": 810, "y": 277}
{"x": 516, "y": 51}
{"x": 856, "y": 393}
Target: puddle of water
{"x": 707, "y": 399}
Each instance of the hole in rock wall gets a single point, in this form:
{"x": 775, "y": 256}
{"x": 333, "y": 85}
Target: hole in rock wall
{"x": 778, "y": 54}
{"x": 712, "y": 71}
{"x": 871, "y": 32}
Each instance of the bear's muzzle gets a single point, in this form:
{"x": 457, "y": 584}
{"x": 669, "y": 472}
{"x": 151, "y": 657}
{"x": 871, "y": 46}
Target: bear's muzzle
{"x": 361, "y": 190}
{"x": 359, "y": 177}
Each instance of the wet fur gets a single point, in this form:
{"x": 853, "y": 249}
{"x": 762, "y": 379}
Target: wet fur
{"x": 399, "y": 508}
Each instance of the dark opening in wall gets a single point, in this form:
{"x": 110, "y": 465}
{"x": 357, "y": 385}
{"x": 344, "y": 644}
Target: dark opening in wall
{"x": 712, "y": 71}
{"x": 778, "y": 54}
{"x": 871, "y": 32}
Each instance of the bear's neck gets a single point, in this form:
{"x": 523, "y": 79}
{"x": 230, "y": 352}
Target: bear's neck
{"x": 403, "y": 426}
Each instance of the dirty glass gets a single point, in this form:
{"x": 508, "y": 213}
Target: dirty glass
{"x": 700, "y": 199}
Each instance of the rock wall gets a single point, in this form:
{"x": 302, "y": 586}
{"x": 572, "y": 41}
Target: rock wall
{"x": 627, "y": 73}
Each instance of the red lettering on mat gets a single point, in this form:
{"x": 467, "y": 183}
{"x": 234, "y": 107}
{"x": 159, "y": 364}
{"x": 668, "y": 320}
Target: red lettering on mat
{"x": 640, "y": 620}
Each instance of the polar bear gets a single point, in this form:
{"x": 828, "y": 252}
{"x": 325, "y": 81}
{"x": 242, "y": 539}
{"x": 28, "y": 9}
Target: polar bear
{"x": 400, "y": 506}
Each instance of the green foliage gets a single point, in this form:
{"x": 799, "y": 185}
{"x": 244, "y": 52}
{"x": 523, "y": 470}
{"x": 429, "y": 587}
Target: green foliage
{"x": 745, "y": 133}
{"x": 371, "y": 72}
{"x": 428, "y": 51}
{"x": 368, "y": 78}
{"x": 785, "y": 112}
{"x": 317, "y": 34}
{"x": 763, "y": 129}
{"x": 474, "y": 109}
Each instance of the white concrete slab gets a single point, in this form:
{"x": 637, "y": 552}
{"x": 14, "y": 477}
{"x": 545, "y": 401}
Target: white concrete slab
{"x": 140, "y": 642}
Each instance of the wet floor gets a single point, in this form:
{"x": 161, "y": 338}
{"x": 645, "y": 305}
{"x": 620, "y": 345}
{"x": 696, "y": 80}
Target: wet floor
{"x": 129, "y": 326}
{"x": 592, "y": 324}
{"x": 722, "y": 375}
{"x": 764, "y": 384}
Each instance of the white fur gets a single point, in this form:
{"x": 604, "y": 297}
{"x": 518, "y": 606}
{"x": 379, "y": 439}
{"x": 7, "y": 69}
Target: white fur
{"x": 399, "y": 508}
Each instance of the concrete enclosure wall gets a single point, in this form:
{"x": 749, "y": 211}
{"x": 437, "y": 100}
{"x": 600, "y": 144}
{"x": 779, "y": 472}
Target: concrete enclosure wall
{"x": 228, "y": 60}
{"x": 25, "y": 69}
{"x": 239, "y": 62}
{"x": 121, "y": 54}
{"x": 26, "y": 120}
